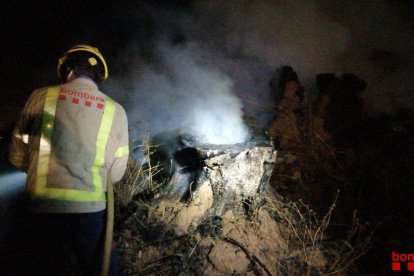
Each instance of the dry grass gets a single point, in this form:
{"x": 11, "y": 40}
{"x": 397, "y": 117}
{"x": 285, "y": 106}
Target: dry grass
{"x": 150, "y": 245}
{"x": 309, "y": 250}
{"x": 351, "y": 249}
{"x": 138, "y": 178}
{"x": 309, "y": 235}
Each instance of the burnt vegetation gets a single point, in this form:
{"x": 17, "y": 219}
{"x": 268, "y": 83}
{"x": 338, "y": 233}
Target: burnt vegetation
{"x": 340, "y": 147}
{"x": 338, "y": 193}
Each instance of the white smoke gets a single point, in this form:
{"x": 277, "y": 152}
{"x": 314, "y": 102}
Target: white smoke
{"x": 277, "y": 33}
{"x": 182, "y": 92}
{"x": 192, "y": 88}
{"x": 372, "y": 39}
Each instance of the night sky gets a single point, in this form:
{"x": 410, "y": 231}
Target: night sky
{"x": 244, "y": 40}
{"x": 36, "y": 33}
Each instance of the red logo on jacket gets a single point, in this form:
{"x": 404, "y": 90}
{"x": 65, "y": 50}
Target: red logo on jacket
{"x": 76, "y": 96}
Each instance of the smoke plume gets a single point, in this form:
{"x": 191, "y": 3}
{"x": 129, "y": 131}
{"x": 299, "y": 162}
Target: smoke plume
{"x": 181, "y": 92}
{"x": 210, "y": 62}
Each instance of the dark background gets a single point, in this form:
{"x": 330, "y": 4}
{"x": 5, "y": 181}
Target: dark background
{"x": 34, "y": 34}
{"x": 378, "y": 47}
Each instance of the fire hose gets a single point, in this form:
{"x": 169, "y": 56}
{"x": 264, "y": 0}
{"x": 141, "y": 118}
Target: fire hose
{"x": 109, "y": 227}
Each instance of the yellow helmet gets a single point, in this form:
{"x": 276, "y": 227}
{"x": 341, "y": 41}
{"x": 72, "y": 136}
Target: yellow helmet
{"x": 92, "y": 60}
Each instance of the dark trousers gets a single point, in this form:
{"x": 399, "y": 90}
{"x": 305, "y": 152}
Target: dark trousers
{"x": 64, "y": 244}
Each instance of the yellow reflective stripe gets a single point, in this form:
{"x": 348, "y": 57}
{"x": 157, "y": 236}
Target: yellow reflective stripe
{"x": 41, "y": 189}
{"x": 70, "y": 195}
{"x": 44, "y": 147}
{"x": 122, "y": 151}
{"x": 101, "y": 141}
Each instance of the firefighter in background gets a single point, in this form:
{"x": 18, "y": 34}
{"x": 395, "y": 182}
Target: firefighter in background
{"x": 69, "y": 140}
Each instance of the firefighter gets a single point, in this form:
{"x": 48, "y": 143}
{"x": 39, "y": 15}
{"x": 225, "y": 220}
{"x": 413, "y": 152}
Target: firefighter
{"x": 70, "y": 139}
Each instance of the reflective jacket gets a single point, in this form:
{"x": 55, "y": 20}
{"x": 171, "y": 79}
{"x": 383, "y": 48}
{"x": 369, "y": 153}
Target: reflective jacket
{"x": 68, "y": 140}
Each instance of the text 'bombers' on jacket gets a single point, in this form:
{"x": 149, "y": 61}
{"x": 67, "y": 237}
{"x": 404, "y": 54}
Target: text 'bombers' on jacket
{"x": 69, "y": 139}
